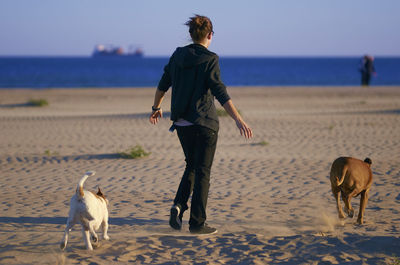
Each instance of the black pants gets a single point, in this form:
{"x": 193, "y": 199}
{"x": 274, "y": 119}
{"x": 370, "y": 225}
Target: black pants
{"x": 365, "y": 78}
{"x": 198, "y": 144}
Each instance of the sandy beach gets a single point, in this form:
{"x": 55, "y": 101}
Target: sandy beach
{"x": 270, "y": 196}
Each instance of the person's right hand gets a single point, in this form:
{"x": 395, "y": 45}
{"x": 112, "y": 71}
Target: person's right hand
{"x": 155, "y": 115}
{"x": 244, "y": 129}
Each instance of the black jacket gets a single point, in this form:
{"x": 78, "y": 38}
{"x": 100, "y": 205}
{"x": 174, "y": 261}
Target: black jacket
{"x": 193, "y": 72}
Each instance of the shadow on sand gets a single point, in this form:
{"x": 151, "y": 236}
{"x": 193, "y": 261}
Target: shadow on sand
{"x": 63, "y": 220}
{"x": 368, "y": 112}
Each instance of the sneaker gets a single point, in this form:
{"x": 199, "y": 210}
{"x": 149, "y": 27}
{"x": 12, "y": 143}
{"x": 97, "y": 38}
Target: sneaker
{"x": 175, "y": 220}
{"x": 203, "y": 230}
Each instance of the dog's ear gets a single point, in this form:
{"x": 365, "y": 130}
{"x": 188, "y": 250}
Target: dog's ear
{"x": 100, "y": 193}
{"x": 368, "y": 160}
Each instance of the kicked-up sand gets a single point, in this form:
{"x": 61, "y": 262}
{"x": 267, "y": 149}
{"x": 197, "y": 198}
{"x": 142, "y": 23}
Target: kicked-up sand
{"x": 270, "y": 196}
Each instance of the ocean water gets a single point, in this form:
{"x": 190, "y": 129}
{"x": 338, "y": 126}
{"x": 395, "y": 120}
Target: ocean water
{"x": 76, "y": 72}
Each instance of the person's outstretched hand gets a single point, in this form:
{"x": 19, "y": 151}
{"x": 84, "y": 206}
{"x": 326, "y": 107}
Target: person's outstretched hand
{"x": 155, "y": 116}
{"x": 244, "y": 129}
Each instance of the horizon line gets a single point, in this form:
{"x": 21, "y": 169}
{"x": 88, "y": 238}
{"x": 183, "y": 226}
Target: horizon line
{"x": 221, "y": 56}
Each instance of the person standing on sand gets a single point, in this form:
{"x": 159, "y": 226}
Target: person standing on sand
{"x": 193, "y": 73}
{"x": 367, "y": 69}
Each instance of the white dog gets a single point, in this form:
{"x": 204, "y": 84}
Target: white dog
{"x": 90, "y": 210}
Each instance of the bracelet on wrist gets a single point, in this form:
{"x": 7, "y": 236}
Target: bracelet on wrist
{"x": 155, "y": 109}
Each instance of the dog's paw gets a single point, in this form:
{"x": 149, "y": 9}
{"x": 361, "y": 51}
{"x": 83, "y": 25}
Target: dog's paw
{"x": 89, "y": 248}
{"x": 95, "y": 239}
{"x": 63, "y": 245}
{"x": 106, "y": 237}
{"x": 350, "y": 213}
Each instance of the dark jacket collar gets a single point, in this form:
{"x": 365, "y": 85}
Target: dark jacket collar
{"x": 192, "y": 55}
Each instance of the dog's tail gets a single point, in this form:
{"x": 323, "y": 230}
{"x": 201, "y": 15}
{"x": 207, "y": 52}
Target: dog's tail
{"x": 340, "y": 181}
{"x": 79, "y": 188}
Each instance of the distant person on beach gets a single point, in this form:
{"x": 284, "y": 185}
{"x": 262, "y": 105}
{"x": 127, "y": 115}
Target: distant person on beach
{"x": 367, "y": 69}
{"x": 193, "y": 73}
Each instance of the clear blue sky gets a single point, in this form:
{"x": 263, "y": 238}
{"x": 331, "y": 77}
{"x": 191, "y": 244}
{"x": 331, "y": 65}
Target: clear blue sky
{"x": 242, "y": 28}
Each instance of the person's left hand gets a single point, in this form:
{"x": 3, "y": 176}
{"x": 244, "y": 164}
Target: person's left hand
{"x": 244, "y": 129}
{"x": 155, "y": 115}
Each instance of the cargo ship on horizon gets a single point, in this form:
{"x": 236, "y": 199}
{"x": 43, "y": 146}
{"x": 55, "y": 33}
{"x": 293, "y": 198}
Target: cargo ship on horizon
{"x": 112, "y": 51}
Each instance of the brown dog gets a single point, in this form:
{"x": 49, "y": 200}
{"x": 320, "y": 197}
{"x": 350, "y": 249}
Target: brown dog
{"x": 351, "y": 177}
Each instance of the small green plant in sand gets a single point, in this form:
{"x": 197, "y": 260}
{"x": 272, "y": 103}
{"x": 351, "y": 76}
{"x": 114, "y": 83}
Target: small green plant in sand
{"x": 263, "y": 143}
{"x": 331, "y": 127}
{"x": 223, "y": 113}
{"x": 50, "y": 153}
{"x": 134, "y": 152}
{"x": 38, "y": 102}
